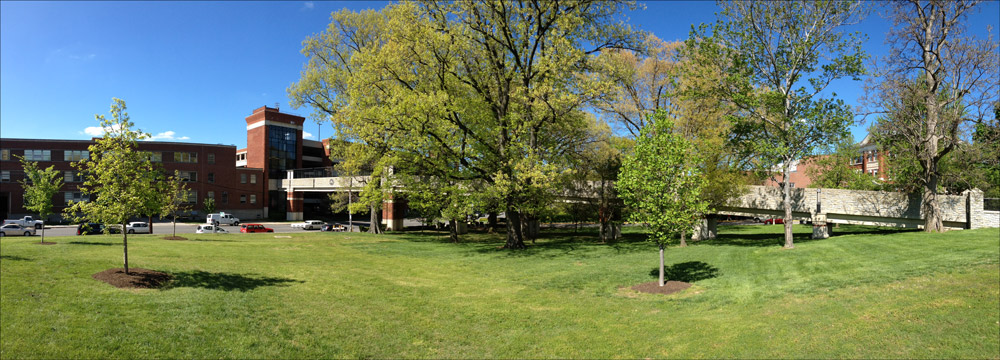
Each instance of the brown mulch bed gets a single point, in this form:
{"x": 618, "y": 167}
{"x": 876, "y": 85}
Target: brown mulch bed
{"x": 45, "y": 243}
{"x": 653, "y": 287}
{"x": 174, "y": 238}
{"x": 137, "y": 278}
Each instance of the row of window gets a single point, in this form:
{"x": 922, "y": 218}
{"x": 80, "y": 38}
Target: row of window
{"x": 77, "y": 155}
{"x": 225, "y": 197}
{"x": 71, "y": 176}
{"x": 72, "y": 197}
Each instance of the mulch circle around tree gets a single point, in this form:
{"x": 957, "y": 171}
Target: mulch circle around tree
{"x": 137, "y": 278}
{"x": 174, "y": 238}
{"x": 653, "y": 287}
{"x": 45, "y": 243}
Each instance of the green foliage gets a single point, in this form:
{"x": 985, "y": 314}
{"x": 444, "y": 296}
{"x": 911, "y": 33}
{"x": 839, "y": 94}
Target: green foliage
{"x": 39, "y": 188}
{"x": 833, "y": 170}
{"x": 120, "y": 179}
{"x": 661, "y": 182}
{"x": 208, "y": 205}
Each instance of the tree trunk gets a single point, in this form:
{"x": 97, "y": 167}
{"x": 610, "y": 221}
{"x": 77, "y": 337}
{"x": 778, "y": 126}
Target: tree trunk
{"x": 376, "y": 221}
{"x": 453, "y": 230}
{"x": 931, "y": 207}
{"x": 684, "y": 238}
{"x": 515, "y": 238}
{"x": 150, "y": 222}
{"x": 492, "y": 222}
{"x": 786, "y": 201}
{"x": 125, "y": 243}
{"x": 43, "y": 233}
{"x": 661, "y": 264}
{"x": 175, "y": 227}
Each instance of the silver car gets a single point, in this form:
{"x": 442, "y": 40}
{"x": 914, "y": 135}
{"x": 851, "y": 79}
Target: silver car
{"x": 16, "y": 230}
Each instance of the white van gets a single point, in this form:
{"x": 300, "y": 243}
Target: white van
{"x": 222, "y": 219}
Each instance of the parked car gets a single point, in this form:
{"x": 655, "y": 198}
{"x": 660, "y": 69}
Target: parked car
{"x": 210, "y": 229}
{"x": 26, "y": 221}
{"x": 309, "y": 225}
{"x": 331, "y": 227}
{"x": 137, "y": 228}
{"x": 222, "y": 219}
{"x": 90, "y": 229}
{"x": 255, "y": 228}
{"x": 773, "y": 221}
{"x": 16, "y": 230}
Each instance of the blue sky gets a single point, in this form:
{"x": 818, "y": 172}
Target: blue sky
{"x": 192, "y": 71}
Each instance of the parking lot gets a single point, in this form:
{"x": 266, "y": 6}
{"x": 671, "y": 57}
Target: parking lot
{"x": 160, "y": 228}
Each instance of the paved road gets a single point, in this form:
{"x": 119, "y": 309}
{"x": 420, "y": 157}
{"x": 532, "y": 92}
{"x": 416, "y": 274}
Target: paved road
{"x": 184, "y": 228}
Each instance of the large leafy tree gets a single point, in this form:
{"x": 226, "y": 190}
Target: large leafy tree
{"x": 778, "y": 58}
{"x": 40, "y": 185}
{"x": 119, "y": 178}
{"x": 935, "y": 86}
{"x": 662, "y": 183}
{"x": 483, "y": 93}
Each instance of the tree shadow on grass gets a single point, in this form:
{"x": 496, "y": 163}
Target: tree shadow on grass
{"x": 778, "y": 238}
{"x": 689, "y": 271}
{"x": 14, "y": 257}
{"x": 214, "y": 240}
{"x": 224, "y": 281}
{"x": 91, "y": 243}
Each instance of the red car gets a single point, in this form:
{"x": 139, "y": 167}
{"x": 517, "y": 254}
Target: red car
{"x": 255, "y": 228}
{"x": 774, "y": 221}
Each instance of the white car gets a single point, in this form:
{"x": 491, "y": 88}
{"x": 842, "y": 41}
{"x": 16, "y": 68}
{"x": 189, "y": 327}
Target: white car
{"x": 16, "y": 230}
{"x": 210, "y": 229}
{"x": 309, "y": 225}
{"x": 137, "y": 228}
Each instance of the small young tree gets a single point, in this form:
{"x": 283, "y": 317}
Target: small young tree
{"x": 208, "y": 206}
{"x": 39, "y": 187}
{"x": 119, "y": 178}
{"x": 661, "y": 183}
{"x": 174, "y": 199}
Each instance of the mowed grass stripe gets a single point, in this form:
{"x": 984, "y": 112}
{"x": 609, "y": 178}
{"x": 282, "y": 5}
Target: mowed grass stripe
{"x": 409, "y": 296}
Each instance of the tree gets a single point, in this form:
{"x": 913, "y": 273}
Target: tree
{"x": 481, "y": 92}
{"x": 208, "y": 206}
{"x": 937, "y": 82}
{"x": 39, "y": 188}
{"x": 833, "y": 170}
{"x": 662, "y": 184}
{"x": 119, "y": 178}
{"x": 174, "y": 195}
{"x": 778, "y": 58}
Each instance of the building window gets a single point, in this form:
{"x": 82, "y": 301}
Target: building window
{"x": 211, "y": 177}
{"x": 211, "y": 158}
{"x": 225, "y": 197}
{"x": 4, "y": 154}
{"x": 243, "y": 178}
{"x": 72, "y": 176}
{"x": 791, "y": 185}
{"x": 211, "y": 195}
{"x": 76, "y": 155}
{"x": 192, "y": 198}
{"x": 253, "y": 199}
{"x": 282, "y": 144}
{"x": 186, "y": 157}
{"x": 38, "y": 155}
{"x": 156, "y": 156}
{"x": 188, "y": 175}
{"x": 72, "y": 197}
{"x": 5, "y": 176}
{"x": 253, "y": 178}
{"x": 243, "y": 199}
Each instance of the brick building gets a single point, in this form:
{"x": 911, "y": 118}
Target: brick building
{"x": 244, "y": 182}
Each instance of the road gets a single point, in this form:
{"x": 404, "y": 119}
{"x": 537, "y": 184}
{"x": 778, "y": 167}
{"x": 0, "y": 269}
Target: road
{"x": 166, "y": 228}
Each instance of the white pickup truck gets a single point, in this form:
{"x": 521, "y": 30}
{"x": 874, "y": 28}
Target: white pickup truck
{"x": 309, "y": 225}
{"x": 27, "y": 222}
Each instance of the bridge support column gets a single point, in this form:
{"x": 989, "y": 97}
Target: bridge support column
{"x": 706, "y": 229}
{"x": 393, "y": 213}
{"x": 821, "y": 229}
{"x": 295, "y": 206}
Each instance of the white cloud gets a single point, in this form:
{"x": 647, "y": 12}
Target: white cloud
{"x": 307, "y": 135}
{"x": 166, "y": 135}
{"x": 308, "y": 5}
{"x": 95, "y": 130}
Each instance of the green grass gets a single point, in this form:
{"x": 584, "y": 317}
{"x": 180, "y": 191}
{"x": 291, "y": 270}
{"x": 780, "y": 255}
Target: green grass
{"x": 865, "y": 293}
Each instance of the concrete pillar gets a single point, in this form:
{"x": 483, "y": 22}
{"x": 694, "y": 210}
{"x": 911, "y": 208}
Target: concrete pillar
{"x": 707, "y": 228}
{"x": 974, "y": 215}
{"x": 393, "y": 213}
{"x": 295, "y": 206}
{"x": 821, "y": 230}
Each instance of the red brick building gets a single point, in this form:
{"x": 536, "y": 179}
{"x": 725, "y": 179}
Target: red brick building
{"x": 244, "y": 182}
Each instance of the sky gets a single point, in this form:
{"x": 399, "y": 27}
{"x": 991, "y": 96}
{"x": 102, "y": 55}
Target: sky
{"x": 192, "y": 71}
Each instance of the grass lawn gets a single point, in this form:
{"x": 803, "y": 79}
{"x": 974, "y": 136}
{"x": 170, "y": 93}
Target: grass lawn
{"x": 865, "y": 293}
